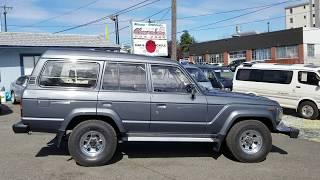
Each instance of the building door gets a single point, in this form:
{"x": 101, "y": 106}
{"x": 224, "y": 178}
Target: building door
{"x": 28, "y": 63}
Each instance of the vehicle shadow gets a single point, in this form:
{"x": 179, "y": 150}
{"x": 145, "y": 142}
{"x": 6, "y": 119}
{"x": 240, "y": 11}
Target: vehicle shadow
{"x": 291, "y": 112}
{"x": 153, "y": 150}
{"x": 5, "y": 110}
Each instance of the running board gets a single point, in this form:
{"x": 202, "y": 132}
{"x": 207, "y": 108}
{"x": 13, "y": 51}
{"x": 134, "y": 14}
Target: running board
{"x": 170, "y": 139}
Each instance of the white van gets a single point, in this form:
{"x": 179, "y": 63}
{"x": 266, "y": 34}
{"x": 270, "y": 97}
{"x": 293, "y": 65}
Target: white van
{"x": 293, "y": 86}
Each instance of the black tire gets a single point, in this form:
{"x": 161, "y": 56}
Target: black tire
{"x": 315, "y": 113}
{"x": 13, "y": 101}
{"x": 234, "y": 144}
{"x": 108, "y": 133}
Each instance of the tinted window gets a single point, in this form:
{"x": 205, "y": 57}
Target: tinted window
{"x": 111, "y": 77}
{"x": 126, "y": 77}
{"x": 267, "y": 76}
{"x": 309, "y": 78}
{"x": 169, "y": 79}
{"x": 70, "y": 74}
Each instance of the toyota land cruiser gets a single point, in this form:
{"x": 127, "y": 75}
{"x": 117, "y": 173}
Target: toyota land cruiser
{"x": 103, "y": 98}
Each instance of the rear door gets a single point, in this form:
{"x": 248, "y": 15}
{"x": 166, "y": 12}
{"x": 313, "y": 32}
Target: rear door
{"x": 124, "y": 91}
{"x": 173, "y": 110}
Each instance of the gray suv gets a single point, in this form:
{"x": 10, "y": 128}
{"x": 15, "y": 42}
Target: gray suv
{"x": 104, "y": 98}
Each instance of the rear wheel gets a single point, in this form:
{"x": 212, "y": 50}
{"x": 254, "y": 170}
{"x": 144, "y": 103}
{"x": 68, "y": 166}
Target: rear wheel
{"x": 308, "y": 110}
{"x": 92, "y": 143}
{"x": 249, "y": 141}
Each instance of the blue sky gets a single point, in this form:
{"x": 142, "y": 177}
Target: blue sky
{"x": 29, "y": 12}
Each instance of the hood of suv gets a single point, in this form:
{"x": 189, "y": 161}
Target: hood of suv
{"x": 226, "y": 97}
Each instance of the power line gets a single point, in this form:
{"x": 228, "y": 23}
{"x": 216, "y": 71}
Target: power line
{"x": 244, "y": 14}
{"x": 64, "y": 14}
{"x": 106, "y": 17}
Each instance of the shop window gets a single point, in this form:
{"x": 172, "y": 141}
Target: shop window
{"x": 236, "y": 55}
{"x": 261, "y": 54}
{"x": 287, "y": 52}
{"x": 216, "y": 58}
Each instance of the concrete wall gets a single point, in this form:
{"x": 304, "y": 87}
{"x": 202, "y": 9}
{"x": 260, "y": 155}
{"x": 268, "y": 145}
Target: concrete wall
{"x": 300, "y": 15}
{"x": 10, "y": 66}
{"x": 311, "y": 36}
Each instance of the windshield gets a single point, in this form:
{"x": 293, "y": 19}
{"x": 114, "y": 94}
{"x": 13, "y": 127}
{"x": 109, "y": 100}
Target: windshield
{"x": 197, "y": 74}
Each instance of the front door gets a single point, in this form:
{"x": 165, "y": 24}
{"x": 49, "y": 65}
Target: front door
{"x": 307, "y": 86}
{"x": 173, "y": 110}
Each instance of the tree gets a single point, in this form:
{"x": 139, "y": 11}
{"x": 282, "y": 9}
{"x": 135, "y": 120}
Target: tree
{"x": 185, "y": 41}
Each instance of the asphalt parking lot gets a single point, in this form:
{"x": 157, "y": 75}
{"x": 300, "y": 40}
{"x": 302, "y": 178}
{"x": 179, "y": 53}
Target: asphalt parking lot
{"x": 36, "y": 157}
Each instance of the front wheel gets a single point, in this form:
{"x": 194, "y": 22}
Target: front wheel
{"x": 92, "y": 143}
{"x": 308, "y": 110}
{"x": 249, "y": 141}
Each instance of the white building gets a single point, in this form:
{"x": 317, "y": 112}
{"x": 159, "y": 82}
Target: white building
{"x": 303, "y": 15}
{"x": 19, "y": 51}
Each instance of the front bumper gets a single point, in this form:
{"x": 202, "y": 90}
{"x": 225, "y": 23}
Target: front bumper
{"x": 291, "y": 132}
{"x": 20, "y": 128}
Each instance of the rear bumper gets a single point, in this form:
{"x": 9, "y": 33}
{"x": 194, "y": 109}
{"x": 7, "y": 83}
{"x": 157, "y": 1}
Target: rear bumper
{"x": 20, "y": 128}
{"x": 291, "y": 132}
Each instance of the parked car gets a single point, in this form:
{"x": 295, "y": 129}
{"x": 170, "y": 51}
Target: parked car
{"x": 140, "y": 98}
{"x": 234, "y": 64}
{"x": 293, "y": 86}
{"x": 220, "y": 77}
{"x": 199, "y": 76}
{"x": 17, "y": 87}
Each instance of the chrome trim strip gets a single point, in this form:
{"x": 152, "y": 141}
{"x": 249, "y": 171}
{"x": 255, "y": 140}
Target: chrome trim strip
{"x": 164, "y": 122}
{"x": 170, "y": 139}
{"x": 42, "y": 119}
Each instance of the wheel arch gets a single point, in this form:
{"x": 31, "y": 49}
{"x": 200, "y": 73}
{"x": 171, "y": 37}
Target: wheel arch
{"x": 305, "y": 100}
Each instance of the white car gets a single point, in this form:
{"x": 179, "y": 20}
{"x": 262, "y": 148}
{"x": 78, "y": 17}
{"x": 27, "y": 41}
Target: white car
{"x": 293, "y": 86}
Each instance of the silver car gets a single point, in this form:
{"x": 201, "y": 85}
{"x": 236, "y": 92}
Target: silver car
{"x": 17, "y": 87}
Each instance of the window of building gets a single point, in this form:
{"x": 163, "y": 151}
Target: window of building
{"x": 216, "y": 58}
{"x": 305, "y": 17}
{"x": 28, "y": 62}
{"x": 169, "y": 79}
{"x": 199, "y": 59}
{"x": 265, "y": 76}
{"x": 70, "y": 74}
{"x": 125, "y": 77}
{"x": 313, "y": 5}
{"x": 314, "y": 25}
{"x": 291, "y": 10}
{"x": 309, "y": 78}
{"x": 291, "y": 20}
{"x": 287, "y": 52}
{"x": 261, "y": 54}
{"x": 313, "y": 15}
{"x": 304, "y": 7}
{"x": 235, "y": 55}
{"x": 310, "y": 48}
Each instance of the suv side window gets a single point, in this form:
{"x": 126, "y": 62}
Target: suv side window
{"x": 169, "y": 79}
{"x": 69, "y": 74}
{"x": 125, "y": 77}
{"x": 310, "y": 78}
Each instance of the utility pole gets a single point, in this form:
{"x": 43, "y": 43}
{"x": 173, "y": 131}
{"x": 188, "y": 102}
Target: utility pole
{"x": 174, "y": 29}
{"x": 116, "y": 27}
{"x": 5, "y": 8}
{"x": 268, "y": 26}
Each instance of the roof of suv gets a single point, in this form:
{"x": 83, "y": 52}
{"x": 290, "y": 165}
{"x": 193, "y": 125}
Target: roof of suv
{"x": 103, "y": 55}
{"x": 271, "y": 66}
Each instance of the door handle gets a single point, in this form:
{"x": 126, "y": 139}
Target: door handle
{"x": 161, "y": 106}
{"x": 298, "y": 87}
{"x": 107, "y": 104}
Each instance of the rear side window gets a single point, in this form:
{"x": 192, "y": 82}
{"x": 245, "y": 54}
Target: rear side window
{"x": 309, "y": 78}
{"x": 70, "y": 74}
{"x": 125, "y": 77}
{"x": 266, "y": 76}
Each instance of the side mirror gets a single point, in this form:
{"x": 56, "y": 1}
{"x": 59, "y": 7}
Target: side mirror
{"x": 192, "y": 90}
